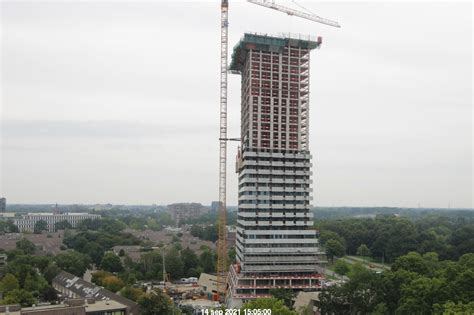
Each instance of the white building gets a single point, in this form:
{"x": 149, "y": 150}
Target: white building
{"x": 27, "y": 222}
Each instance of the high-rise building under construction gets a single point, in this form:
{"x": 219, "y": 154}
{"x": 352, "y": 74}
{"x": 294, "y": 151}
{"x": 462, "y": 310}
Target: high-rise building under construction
{"x": 277, "y": 245}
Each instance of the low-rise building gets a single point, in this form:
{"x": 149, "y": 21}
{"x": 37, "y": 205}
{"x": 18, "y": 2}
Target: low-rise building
{"x": 306, "y": 302}
{"x": 73, "y": 287}
{"x": 208, "y": 283}
{"x": 27, "y": 222}
{"x": 69, "y": 307}
{"x": 45, "y": 243}
{"x": 132, "y": 251}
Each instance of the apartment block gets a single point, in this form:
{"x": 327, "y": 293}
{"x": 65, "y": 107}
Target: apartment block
{"x": 27, "y": 222}
{"x": 276, "y": 244}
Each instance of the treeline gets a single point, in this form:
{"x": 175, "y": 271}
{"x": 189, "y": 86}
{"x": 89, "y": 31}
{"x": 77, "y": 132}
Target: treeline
{"x": 95, "y": 237}
{"x": 324, "y": 213}
{"x": 147, "y": 220}
{"x": 26, "y": 279}
{"x": 179, "y": 263}
{"x": 417, "y": 284}
{"x": 207, "y": 233}
{"x": 211, "y": 218}
{"x": 8, "y": 227}
{"x": 117, "y": 272}
{"x": 389, "y": 236}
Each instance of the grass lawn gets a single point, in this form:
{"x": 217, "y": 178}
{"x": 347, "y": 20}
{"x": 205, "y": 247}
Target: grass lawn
{"x": 366, "y": 261}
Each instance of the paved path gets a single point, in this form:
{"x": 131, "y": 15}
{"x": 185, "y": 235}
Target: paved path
{"x": 333, "y": 274}
{"x": 377, "y": 266}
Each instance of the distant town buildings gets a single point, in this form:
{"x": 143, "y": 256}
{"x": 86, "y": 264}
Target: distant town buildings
{"x": 46, "y": 244}
{"x": 165, "y": 237}
{"x": 215, "y": 206}
{"x": 3, "y": 204}
{"x": 27, "y": 222}
{"x": 184, "y": 211}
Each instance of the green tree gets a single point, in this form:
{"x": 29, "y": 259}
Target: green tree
{"x": 26, "y": 246}
{"x": 363, "y": 289}
{"x": 206, "y": 260}
{"x": 231, "y": 254}
{"x": 467, "y": 260}
{"x": 113, "y": 283}
{"x": 276, "y": 306}
{"x": 95, "y": 251}
{"x": 19, "y": 296}
{"x": 190, "y": 261}
{"x": 197, "y": 231}
{"x": 151, "y": 265}
{"x": 30, "y": 283}
{"x": 8, "y": 227}
{"x": 99, "y": 276}
{"x": 451, "y": 308}
{"x": 420, "y": 295}
{"x": 411, "y": 262}
{"x": 111, "y": 262}
{"x": 363, "y": 251}
{"x": 9, "y": 283}
{"x": 326, "y": 235}
{"x": 174, "y": 264}
{"x": 51, "y": 271}
{"x": 380, "y": 309}
{"x": 334, "y": 249}
{"x": 156, "y": 302}
{"x": 40, "y": 226}
{"x": 334, "y": 300}
{"x": 73, "y": 262}
{"x": 41, "y": 262}
{"x": 48, "y": 293}
{"x": 285, "y": 295}
{"x": 131, "y": 293}
{"x": 463, "y": 286}
{"x": 62, "y": 225}
{"x": 342, "y": 267}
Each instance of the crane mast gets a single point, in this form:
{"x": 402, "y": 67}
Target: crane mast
{"x": 222, "y": 213}
{"x": 221, "y": 242}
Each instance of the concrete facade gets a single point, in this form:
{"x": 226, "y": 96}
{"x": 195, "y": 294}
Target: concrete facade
{"x": 27, "y": 222}
{"x": 276, "y": 244}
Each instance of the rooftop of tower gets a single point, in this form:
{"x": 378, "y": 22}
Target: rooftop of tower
{"x": 269, "y": 43}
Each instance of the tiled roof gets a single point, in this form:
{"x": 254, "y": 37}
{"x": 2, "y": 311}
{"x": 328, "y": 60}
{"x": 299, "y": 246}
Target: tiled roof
{"x": 86, "y": 289}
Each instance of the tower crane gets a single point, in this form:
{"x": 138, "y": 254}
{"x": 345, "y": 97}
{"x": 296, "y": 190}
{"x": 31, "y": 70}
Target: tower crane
{"x": 222, "y": 213}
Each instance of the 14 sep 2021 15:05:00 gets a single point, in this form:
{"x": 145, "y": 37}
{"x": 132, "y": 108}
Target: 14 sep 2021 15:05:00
{"x": 237, "y": 312}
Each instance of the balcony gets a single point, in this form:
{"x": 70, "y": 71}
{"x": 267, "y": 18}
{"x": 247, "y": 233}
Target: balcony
{"x": 282, "y": 250}
{"x": 281, "y": 241}
{"x": 280, "y": 268}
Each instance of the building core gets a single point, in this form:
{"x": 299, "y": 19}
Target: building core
{"x": 276, "y": 245}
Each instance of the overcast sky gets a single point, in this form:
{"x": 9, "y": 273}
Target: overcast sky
{"x": 118, "y": 102}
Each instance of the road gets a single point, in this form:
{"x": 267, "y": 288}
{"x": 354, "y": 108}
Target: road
{"x": 365, "y": 263}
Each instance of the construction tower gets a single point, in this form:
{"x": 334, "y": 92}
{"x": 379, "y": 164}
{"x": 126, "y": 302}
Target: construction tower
{"x": 277, "y": 245}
